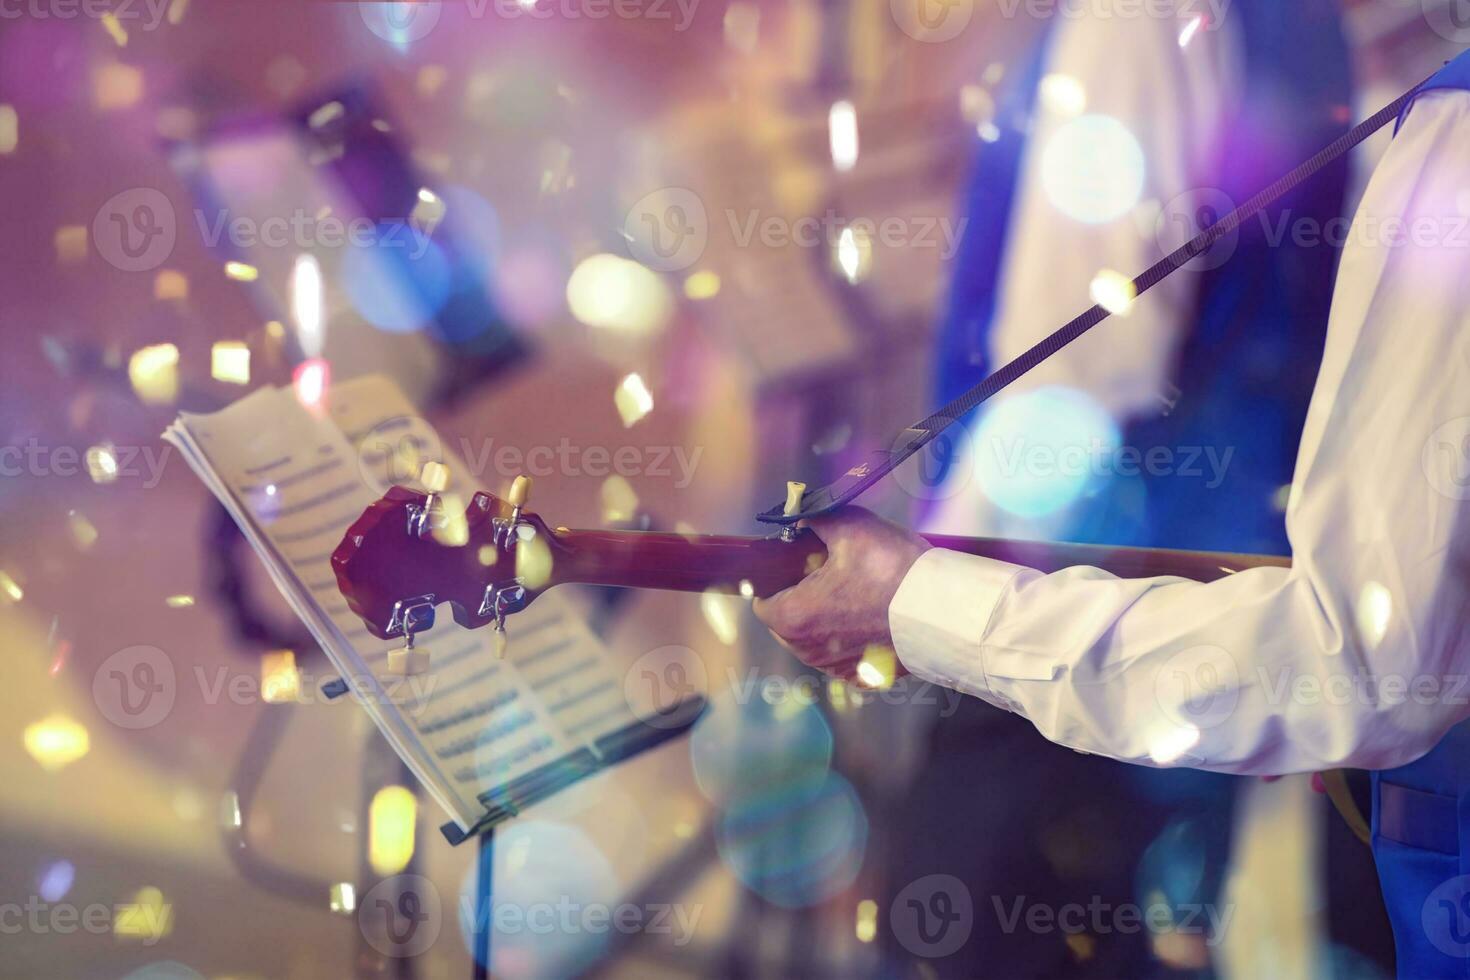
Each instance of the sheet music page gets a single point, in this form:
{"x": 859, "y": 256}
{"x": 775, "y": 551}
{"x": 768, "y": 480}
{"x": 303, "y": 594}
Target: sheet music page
{"x": 295, "y": 482}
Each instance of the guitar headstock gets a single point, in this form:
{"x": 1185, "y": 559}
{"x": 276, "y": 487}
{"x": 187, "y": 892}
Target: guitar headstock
{"x": 413, "y": 551}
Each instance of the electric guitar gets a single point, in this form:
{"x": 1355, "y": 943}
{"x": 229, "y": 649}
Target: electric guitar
{"x": 411, "y": 552}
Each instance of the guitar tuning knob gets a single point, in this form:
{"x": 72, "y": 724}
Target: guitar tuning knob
{"x": 408, "y": 661}
{"x": 434, "y": 477}
{"x": 520, "y": 492}
{"x": 794, "y": 492}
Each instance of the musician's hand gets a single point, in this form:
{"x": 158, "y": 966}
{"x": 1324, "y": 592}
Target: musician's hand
{"x": 832, "y": 616}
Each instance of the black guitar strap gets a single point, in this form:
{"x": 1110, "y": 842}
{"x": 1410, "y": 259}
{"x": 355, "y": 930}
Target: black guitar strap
{"x": 879, "y": 464}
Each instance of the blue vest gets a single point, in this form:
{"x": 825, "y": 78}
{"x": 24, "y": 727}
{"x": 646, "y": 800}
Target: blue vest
{"x": 1247, "y": 368}
{"x": 1421, "y": 816}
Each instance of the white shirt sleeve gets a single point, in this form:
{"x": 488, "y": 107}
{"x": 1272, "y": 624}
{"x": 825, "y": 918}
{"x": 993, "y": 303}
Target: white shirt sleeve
{"x": 1358, "y": 655}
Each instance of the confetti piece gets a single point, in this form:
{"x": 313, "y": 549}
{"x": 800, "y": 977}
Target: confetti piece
{"x": 114, "y": 29}
{"x": 633, "y": 400}
{"x": 392, "y": 816}
{"x": 83, "y": 531}
{"x": 241, "y": 271}
{"x": 702, "y": 285}
{"x": 181, "y": 601}
{"x": 154, "y": 373}
{"x": 117, "y": 86}
{"x": 148, "y": 917}
{"x": 56, "y": 741}
{"x": 101, "y": 464}
{"x": 10, "y": 589}
{"x": 9, "y": 128}
{"x": 619, "y": 500}
{"x": 229, "y": 361}
{"x": 343, "y": 898}
{"x": 280, "y": 680}
{"x": 71, "y": 243}
{"x": 170, "y": 284}
{"x": 1114, "y": 292}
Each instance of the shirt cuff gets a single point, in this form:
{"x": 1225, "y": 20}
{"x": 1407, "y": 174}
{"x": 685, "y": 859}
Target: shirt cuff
{"x": 940, "y": 614}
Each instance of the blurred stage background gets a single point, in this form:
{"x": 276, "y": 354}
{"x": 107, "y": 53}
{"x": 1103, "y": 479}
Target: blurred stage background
{"x": 618, "y": 260}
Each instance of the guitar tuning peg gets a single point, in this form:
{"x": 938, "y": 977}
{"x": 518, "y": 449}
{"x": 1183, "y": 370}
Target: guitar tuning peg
{"x": 434, "y": 477}
{"x": 794, "y": 492}
{"x": 520, "y": 492}
{"x": 408, "y": 661}
{"x": 502, "y": 641}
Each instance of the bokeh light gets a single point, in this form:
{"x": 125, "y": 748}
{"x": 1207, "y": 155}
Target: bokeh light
{"x": 747, "y": 747}
{"x": 1093, "y": 169}
{"x": 1038, "y": 452}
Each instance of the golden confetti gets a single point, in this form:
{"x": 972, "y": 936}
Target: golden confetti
{"x": 83, "y": 531}
{"x": 101, "y": 464}
{"x": 533, "y": 562}
{"x": 117, "y": 86}
{"x": 392, "y": 816}
{"x": 878, "y": 668}
{"x": 148, "y": 917}
{"x": 703, "y": 284}
{"x": 488, "y": 555}
{"x": 431, "y": 78}
{"x": 114, "y": 29}
{"x": 229, "y": 361}
{"x": 56, "y": 741}
{"x": 854, "y": 254}
{"x": 325, "y": 114}
{"x": 633, "y": 400}
{"x": 867, "y": 920}
{"x": 1063, "y": 95}
{"x": 619, "y": 501}
{"x": 241, "y": 271}
{"x": 10, "y": 589}
{"x": 343, "y": 898}
{"x": 1114, "y": 292}
{"x": 154, "y": 373}
{"x": 176, "y": 11}
{"x": 721, "y": 611}
{"x": 71, "y": 243}
{"x": 170, "y": 284}
{"x": 280, "y": 680}
{"x": 181, "y": 601}
{"x": 229, "y": 810}
{"x": 9, "y": 128}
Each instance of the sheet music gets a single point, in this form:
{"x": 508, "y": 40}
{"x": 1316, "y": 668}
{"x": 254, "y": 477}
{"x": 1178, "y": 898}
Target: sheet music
{"x": 294, "y": 481}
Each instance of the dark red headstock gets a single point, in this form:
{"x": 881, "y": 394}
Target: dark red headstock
{"x": 412, "y": 551}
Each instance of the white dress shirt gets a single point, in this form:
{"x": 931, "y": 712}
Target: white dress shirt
{"x": 1359, "y": 654}
{"x": 1172, "y": 101}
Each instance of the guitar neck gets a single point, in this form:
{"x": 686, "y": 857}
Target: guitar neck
{"x": 702, "y": 562}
